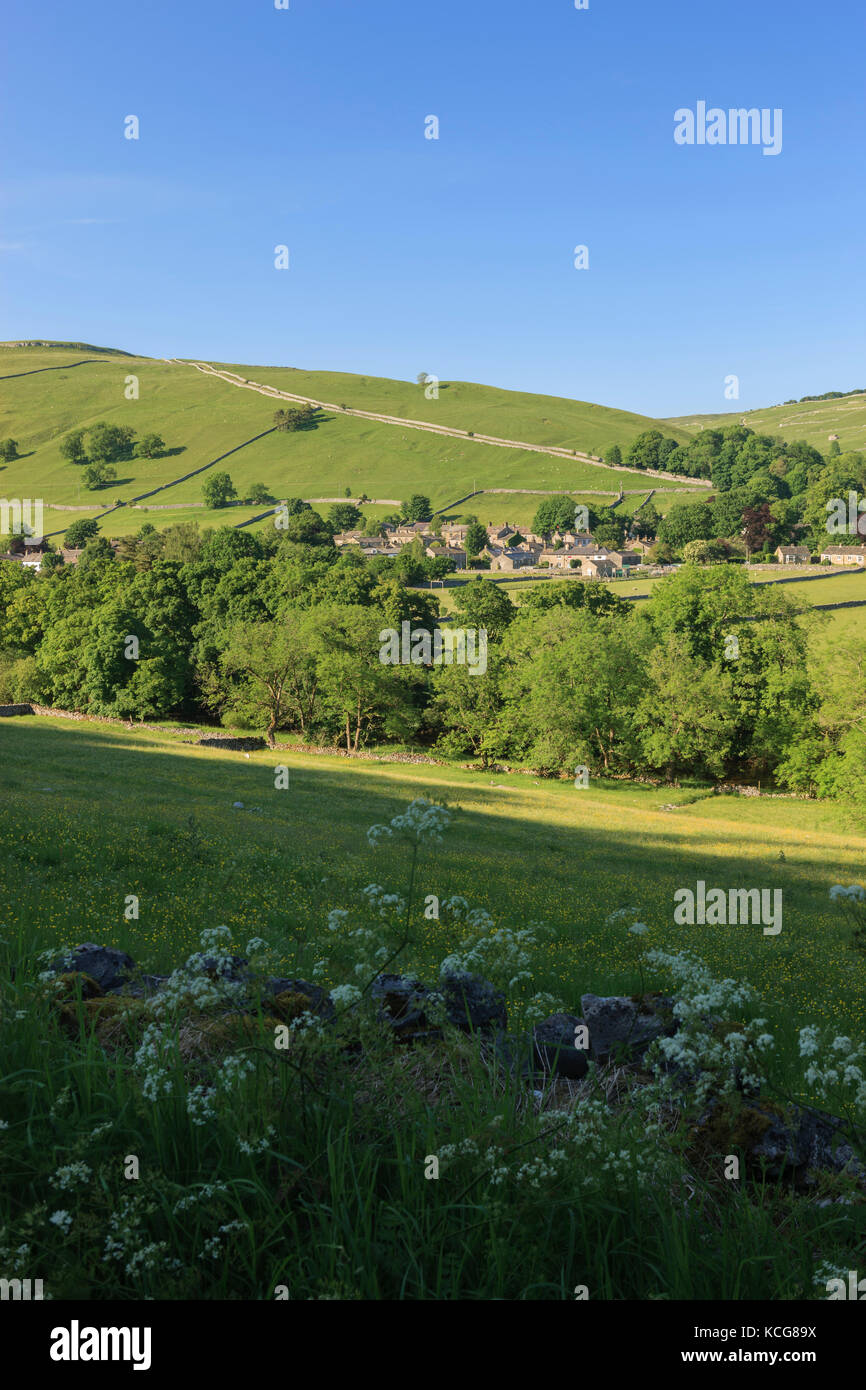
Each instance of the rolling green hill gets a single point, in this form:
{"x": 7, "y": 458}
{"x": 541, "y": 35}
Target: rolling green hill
{"x": 465, "y": 405}
{"x": 46, "y": 391}
{"x": 814, "y": 421}
{"x": 207, "y": 422}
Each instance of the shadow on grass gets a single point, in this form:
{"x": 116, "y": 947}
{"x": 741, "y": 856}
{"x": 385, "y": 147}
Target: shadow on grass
{"x": 127, "y": 812}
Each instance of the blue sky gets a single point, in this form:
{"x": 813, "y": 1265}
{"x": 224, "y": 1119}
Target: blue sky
{"x": 305, "y": 127}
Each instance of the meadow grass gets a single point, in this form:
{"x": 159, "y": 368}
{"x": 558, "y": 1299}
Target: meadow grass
{"x": 832, "y": 587}
{"x": 128, "y": 520}
{"x": 311, "y": 1177}
{"x": 527, "y": 850}
{"x": 312, "y": 1187}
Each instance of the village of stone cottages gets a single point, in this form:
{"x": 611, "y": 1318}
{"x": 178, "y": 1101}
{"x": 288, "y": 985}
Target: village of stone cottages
{"x": 509, "y": 549}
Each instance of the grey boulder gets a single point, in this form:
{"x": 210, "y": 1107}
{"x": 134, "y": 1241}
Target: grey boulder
{"x": 401, "y": 1003}
{"x": 470, "y": 1003}
{"x": 616, "y": 1024}
{"x": 554, "y": 1049}
{"x": 473, "y": 1004}
{"x": 318, "y": 999}
{"x": 110, "y": 968}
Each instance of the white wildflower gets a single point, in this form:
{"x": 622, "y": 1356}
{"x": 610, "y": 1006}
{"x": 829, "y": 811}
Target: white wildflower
{"x": 67, "y": 1177}
{"x": 345, "y": 994}
{"x": 423, "y": 822}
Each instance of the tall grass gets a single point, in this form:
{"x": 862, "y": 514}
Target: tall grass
{"x": 308, "y": 1179}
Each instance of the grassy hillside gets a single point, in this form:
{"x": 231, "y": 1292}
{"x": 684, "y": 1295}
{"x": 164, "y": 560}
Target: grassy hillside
{"x": 813, "y": 421}
{"x": 48, "y": 391}
{"x": 467, "y": 405}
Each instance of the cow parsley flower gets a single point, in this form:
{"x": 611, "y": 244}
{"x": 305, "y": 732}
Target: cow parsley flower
{"x": 700, "y": 999}
{"x": 345, "y": 994}
{"x": 308, "y": 1024}
{"x": 257, "y": 1146}
{"x": 67, "y": 1177}
{"x": 422, "y": 822}
{"x": 200, "y": 1104}
{"x": 843, "y": 1083}
{"x": 204, "y": 1194}
{"x": 215, "y": 938}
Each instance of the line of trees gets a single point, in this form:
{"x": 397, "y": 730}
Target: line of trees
{"x": 282, "y": 633}
{"x": 729, "y": 457}
{"x": 766, "y": 493}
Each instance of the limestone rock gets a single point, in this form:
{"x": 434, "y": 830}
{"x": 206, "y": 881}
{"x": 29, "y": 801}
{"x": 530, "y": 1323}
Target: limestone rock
{"x": 111, "y": 969}
{"x": 288, "y": 995}
{"x": 470, "y": 1003}
{"x": 473, "y": 1004}
{"x": 402, "y": 1003}
{"x": 617, "y": 1023}
{"x": 791, "y": 1142}
{"x": 554, "y": 1046}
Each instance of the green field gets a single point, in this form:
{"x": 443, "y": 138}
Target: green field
{"x": 126, "y": 519}
{"x": 45, "y": 396}
{"x": 814, "y": 421}
{"x": 522, "y": 849}
{"x": 835, "y": 588}
{"x": 308, "y": 1174}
